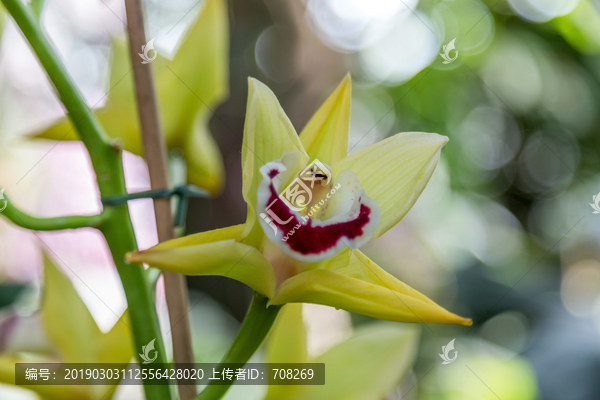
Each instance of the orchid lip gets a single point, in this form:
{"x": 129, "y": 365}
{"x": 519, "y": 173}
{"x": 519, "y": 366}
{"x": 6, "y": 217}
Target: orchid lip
{"x": 311, "y": 231}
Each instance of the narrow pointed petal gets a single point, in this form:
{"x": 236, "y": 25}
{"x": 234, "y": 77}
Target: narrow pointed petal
{"x": 62, "y": 129}
{"x": 230, "y": 232}
{"x": 119, "y": 115}
{"x": 287, "y": 344}
{"x": 394, "y": 172}
{"x": 212, "y": 253}
{"x": 268, "y": 133}
{"x": 349, "y": 288}
{"x": 368, "y": 365}
{"x": 199, "y": 71}
{"x": 287, "y": 340}
{"x": 72, "y": 329}
{"x": 369, "y": 270}
{"x": 325, "y": 136}
{"x": 198, "y": 80}
{"x": 205, "y": 167}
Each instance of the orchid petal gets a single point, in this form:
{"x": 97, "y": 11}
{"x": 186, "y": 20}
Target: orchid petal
{"x": 193, "y": 83}
{"x": 368, "y": 270}
{"x": 394, "y": 172}
{"x": 368, "y": 365}
{"x": 72, "y": 329}
{"x": 199, "y": 73}
{"x": 204, "y": 160}
{"x": 215, "y": 235}
{"x": 287, "y": 344}
{"x": 287, "y": 340}
{"x": 212, "y": 253}
{"x": 348, "y": 287}
{"x": 268, "y": 133}
{"x": 325, "y": 136}
{"x": 119, "y": 116}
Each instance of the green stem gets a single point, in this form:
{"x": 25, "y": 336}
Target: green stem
{"x": 256, "y": 326}
{"x": 27, "y": 221}
{"x": 107, "y": 163}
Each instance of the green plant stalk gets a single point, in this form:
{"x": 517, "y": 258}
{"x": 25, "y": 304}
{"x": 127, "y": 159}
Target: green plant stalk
{"x": 107, "y": 162}
{"x": 254, "y": 330}
{"x": 27, "y": 221}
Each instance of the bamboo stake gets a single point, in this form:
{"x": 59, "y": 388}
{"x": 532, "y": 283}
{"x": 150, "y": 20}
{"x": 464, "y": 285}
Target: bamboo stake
{"x": 156, "y": 157}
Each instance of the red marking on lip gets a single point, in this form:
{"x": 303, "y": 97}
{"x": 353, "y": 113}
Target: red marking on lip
{"x": 309, "y": 239}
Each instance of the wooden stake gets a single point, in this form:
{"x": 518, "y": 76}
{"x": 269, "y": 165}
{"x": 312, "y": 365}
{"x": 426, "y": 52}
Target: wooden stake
{"x": 156, "y": 157}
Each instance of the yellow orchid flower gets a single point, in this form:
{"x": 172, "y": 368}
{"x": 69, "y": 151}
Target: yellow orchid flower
{"x": 75, "y": 338}
{"x": 307, "y": 252}
{"x": 188, "y": 88}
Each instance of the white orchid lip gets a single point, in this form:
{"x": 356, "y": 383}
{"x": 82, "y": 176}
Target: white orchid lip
{"x": 344, "y": 216}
